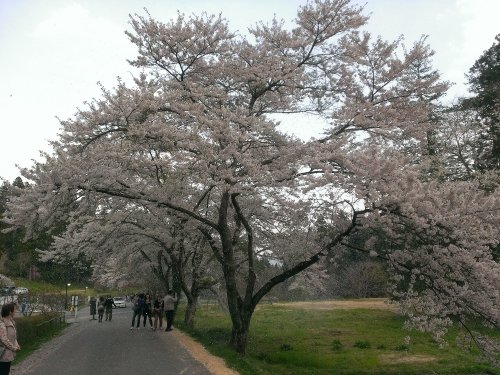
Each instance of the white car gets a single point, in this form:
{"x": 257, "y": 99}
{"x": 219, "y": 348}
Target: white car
{"x": 20, "y": 290}
{"x": 119, "y": 301}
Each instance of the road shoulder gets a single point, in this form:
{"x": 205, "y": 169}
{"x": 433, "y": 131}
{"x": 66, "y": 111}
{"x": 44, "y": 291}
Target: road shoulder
{"x": 213, "y": 364}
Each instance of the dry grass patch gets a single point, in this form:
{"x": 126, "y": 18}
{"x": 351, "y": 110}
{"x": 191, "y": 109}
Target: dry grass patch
{"x": 368, "y": 303}
{"x": 399, "y": 358}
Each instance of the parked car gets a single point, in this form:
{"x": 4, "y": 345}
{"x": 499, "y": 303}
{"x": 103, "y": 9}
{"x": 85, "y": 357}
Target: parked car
{"x": 20, "y": 290}
{"x": 119, "y": 301}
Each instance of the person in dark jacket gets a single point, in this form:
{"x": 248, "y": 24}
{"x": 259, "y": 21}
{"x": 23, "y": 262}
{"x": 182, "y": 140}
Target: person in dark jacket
{"x": 93, "y": 307}
{"x": 8, "y": 338}
{"x": 100, "y": 309}
{"x": 138, "y": 308}
{"x": 148, "y": 310}
{"x": 108, "y": 308}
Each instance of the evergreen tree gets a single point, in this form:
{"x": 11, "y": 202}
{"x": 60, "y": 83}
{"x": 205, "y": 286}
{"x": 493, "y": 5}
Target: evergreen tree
{"x": 484, "y": 80}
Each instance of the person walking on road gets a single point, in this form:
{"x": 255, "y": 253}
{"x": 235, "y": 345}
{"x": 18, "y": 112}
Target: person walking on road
{"x": 138, "y": 309}
{"x": 93, "y": 307}
{"x": 8, "y": 338}
{"x": 100, "y": 308}
{"x": 169, "y": 304}
{"x": 158, "y": 311}
{"x": 108, "y": 308}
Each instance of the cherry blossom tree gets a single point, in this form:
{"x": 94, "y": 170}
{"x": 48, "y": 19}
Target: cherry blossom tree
{"x": 129, "y": 241}
{"x": 197, "y": 135}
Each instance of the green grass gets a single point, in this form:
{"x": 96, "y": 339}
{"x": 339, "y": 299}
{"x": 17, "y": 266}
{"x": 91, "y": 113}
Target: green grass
{"x": 286, "y": 341}
{"x": 36, "y": 286}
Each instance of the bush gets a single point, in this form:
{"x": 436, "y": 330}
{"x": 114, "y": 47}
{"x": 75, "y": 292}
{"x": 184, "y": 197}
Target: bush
{"x": 286, "y": 347}
{"x": 363, "y": 279}
{"x": 337, "y": 345}
{"x": 31, "y": 329}
{"x": 362, "y": 344}
{"x": 43, "y": 302}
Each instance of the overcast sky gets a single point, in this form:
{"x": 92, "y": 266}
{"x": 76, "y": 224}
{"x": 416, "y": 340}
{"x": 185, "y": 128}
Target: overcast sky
{"x": 53, "y": 52}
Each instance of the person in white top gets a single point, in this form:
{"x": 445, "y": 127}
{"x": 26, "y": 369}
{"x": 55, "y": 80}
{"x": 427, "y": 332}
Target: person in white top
{"x": 169, "y": 305}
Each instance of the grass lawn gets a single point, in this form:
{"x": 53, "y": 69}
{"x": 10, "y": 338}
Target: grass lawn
{"x": 80, "y": 289}
{"x": 290, "y": 339}
{"x": 38, "y": 286}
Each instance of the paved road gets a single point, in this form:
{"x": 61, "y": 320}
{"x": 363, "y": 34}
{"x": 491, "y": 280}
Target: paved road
{"x": 108, "y": 348}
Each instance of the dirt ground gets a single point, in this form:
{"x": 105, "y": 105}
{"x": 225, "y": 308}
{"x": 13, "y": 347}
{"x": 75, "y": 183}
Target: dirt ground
{"x": 368, "y": 303}
{"x": 406, "y": 358}
{"x": 214, "y": 364}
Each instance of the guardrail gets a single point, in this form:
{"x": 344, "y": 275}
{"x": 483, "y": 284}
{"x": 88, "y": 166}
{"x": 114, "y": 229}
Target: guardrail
{"x": 59, "y": 318}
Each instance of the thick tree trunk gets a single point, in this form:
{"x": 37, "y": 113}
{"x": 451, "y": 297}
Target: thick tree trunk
{"x": 240, "y": 309}
{"x": 191, "y": 307}
{"x": 240, "y": 321}
{"x": 239, "y": 312}
{"x": 239, "y": 333}
{"x": 239, "y": 340}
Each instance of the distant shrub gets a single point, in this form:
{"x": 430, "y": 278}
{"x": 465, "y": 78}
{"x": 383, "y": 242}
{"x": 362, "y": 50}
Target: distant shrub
{"x": 262, "y": 357}
{"x": 286, "y": 347}
{"x": 337, "y": 345}
{"x": 402, "y": 348}
{"x": 362, "y": 344}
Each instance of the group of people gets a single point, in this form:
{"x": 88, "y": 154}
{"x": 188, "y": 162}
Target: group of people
{"x": 8, "y": 337}
{"x": 145, "y": 306}
{"x": 148, "y": 308}
{"x": 102, "y": 306}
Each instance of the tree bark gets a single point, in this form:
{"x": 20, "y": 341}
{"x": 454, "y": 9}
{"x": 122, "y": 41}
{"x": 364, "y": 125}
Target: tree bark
{"x": 239, "y": 333}
{"x": 192, "y": 305}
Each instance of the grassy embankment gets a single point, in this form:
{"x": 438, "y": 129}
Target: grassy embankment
{"x": 306, "y": 339}
{"x": 73, "y": 289}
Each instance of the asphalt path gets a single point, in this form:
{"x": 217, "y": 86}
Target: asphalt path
{"x": 108, "y": 348}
